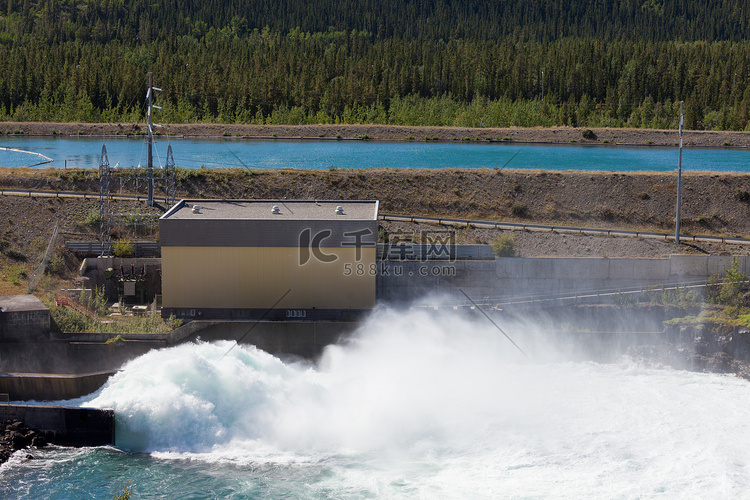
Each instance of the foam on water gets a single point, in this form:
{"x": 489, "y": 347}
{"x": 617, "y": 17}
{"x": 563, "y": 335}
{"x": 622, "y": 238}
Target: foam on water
{"x": 419, "y": 405}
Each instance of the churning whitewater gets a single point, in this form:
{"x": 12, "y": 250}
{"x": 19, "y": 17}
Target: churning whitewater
{"x": 416, "y": 404}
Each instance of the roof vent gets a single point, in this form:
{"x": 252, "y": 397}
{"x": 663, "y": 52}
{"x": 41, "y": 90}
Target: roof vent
{"x": 275, "y": 210}
{"x": 339, "y": 210}
{"x": 196, "y": 209}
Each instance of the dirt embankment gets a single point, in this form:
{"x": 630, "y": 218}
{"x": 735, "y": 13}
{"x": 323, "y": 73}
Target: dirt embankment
{"x": 561, "y": 135}
{"x": 714, "y": 204}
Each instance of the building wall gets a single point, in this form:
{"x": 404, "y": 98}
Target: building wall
{"x": 256, "y": 277}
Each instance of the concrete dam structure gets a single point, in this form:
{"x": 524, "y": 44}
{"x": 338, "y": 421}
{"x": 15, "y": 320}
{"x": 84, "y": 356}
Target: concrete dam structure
{"x": 509, "y": 278}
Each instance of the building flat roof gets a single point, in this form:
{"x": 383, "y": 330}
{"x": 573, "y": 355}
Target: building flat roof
{"x": 264, "y": 210}
{"x": 16, "y": 303}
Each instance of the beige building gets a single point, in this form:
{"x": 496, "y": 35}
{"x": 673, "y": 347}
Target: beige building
{"x": 248, "y": 259}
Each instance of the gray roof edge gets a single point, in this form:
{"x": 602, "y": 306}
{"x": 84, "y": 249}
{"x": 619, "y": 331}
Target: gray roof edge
{"x": 189, "y": 201}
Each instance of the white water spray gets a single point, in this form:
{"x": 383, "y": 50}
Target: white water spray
{"x": 436, "y": 403}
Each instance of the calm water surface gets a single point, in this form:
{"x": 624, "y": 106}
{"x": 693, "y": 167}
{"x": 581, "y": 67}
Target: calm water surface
{"x": 303, "y": 154}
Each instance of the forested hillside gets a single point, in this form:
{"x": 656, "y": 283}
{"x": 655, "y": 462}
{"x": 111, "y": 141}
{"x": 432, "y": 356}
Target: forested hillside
{"x": 421, "y": 62}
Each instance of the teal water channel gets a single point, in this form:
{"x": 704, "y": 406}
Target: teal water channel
{"x": 75, "y": 152}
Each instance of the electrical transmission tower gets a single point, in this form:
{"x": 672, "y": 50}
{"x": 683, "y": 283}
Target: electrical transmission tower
{"x": 136, "y": 184}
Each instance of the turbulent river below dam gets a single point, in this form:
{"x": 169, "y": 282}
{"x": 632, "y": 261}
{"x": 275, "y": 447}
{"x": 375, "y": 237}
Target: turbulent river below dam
{"x": 414, "y": 405}
{"x": 85, "y": 152}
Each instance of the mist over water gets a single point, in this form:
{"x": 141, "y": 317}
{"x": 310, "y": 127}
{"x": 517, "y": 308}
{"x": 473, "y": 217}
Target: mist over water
{"x": 420, "y": 404}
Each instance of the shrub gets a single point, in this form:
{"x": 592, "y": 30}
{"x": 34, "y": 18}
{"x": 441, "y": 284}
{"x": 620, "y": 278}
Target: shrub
{"x": 519, "y": 209}
{"x": 605, "y": 213}
{"x": 742, "y": 196}
{"x": 122, "y": 248}
{"x": 67, "y": 320}
{"x": 729, "y": 290}
{"x": 16, "y": 255}
{"x": 588, "y": 134}
{"x": 504, "y": 246}
{"x": 94, "y": 217}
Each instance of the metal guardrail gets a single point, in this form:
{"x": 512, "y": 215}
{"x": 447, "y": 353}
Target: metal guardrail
{"x": 561, "y": 229}
{"x": 70, "y": 194}
{"x": 94, "y": 248}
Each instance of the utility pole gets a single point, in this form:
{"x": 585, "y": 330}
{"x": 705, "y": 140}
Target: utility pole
{"x": 150, "y": 105}
{"x": 679, "y": 179}
{"x": 150, "y": 175}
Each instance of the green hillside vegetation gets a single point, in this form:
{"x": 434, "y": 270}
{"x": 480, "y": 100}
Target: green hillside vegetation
{"x": 469, "y": 63}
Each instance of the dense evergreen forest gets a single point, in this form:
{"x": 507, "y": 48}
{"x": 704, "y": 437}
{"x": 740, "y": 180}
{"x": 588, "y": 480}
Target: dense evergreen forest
{"x": 416, "y": 62}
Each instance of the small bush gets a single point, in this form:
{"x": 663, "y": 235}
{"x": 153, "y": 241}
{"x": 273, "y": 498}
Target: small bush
{"x": 624, "y": 300}
{"x": 504, "y": 246}
{"x": 605, "y": 213}
{"x": 519, "y": 209}
{"x": 122, "y": 248}
{"x": 742, "y": 196}
{"x": 588, "y": 134}
{"x": 16, "y": 255}
{"x": 94, "y": 217}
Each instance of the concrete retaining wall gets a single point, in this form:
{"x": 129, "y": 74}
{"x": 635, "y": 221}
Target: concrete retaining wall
{"x": 65, "y": 426}
{"x": 50, "y": 387}
{"x": 400, "y": 281}
{"x": 23, "y": 318}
